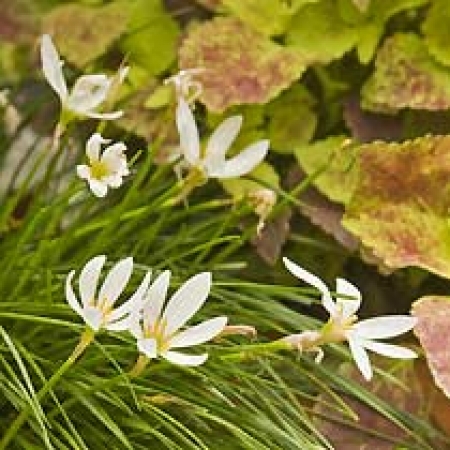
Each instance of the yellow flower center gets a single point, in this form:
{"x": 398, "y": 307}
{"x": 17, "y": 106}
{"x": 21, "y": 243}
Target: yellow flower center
{"x": 99, "y": 169}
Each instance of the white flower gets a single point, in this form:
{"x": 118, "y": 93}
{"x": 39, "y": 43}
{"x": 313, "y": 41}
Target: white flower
{"x": 211, "y": 162}
{"x": 88, "y": 92}
{"x": 158, "y": 332}
{"x": 97, "y": 309}
{"x": 105, "y": 170}
{"x": 344, "y": 326}
{"x": 186, "y": 87}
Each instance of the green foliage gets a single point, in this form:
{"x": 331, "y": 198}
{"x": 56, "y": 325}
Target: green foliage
{"x": 152, "y": 36}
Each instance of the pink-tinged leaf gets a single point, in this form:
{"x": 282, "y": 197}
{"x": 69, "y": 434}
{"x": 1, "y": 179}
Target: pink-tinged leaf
{"x": 322, "y": 212}
{"x": 407, "y": 76}
{"x": 17, "y": 23}
{"x": 269, "y": 243}
{"x": 242, "y": 66}
{"x": 370, "y": 429}
{"x": 367, "y": 126}
{"x": 82, "y": 33}
{"x": 399, "y": 208}
{"x": 433, "y": 314}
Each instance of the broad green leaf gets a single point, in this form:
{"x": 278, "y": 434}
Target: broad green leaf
{"x": 238, "y": 188}
{"x": 400, "y": 205}
{"x": 370, "y": 20}
{"x": 406, "y": 76}
{"x": 332, "y": 163}
{"x": 292, "y": 119}
{"x": 269, "y": 17}
{"x": 241, "y": 65}
{"x": 83, "y": 33}
{"x": 433, "y": 314}
{"x": 152, "y": 37}
{"x": 319, "y": 34}
{"x": 437, "y": 31}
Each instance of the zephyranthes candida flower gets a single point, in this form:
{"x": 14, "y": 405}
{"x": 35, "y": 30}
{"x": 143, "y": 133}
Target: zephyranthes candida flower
{"x": 343, "y": 324}
{"x": 158, "y": 330}
{"x": 96, "y": 308}
{"x": 88, "y": 92}
{"x": 105, "y": 170}
{"x": 210, "y": 162}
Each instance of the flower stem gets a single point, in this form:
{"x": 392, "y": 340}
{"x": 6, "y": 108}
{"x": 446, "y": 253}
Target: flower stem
{"x": 139, "y": 367}
{"x": 86, "y": 338}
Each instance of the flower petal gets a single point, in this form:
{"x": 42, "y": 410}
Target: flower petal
{"x": 242, "y": 163}
{"x": 134, "y": 302}
{"x": 89, "y": 279}
{"x": 199, "y": 334}
{"x": 154, "y": 299}
{"x": 94, "y": 145}
{"x": 389, "y": 350}
{"x": 93, "y": 317}
{"x": 182, "y": 359}
{"x": 84, "y": 171}
{"x": 187, "y": 129}
{"x": 220, "y": 141}
{"x": 384, "y": 327}
{"x": 148, "y": 347}
{"x": 52, "y": 67}
{"x": 361, "y": 358}
{"x": 70, "y": 294}
{"x": 116, "y": 281}
{"x": 311, "y": 279}
{"x": 351, "y": 305}
{"x": 98, "y": 188}
{"x": 88, "y": 93}
{"x": 186, "y": 301}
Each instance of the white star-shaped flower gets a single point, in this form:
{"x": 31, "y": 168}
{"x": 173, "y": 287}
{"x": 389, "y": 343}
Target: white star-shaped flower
{"x": 97, "y": 309}
{"x": 106, "y": 169}
{"x": 88, "y": 92}
{"x": 343, "y": 324}
{"x": 159, "y": 332}
{"x": 211, "y": 162}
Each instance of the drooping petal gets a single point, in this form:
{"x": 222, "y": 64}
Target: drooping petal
{"x": 220, "y": 141}
{"x": 361, "y": 358}
{"x": 311, "y": 279}
{"x": 52, "y": 67}
{"x": 154, "y": 299}
{"x": 134, "y": 302}
{"x": 384, "y": 327}
{"x": 93, "y": 317}
{"x": 349, "y": 305}
{"x": 389, "y": 350}
{"x": 199, "y": 334}
{"x": 84, "y": 171}
{"x": 70, "y": 294}
{"x": 182, "y": 359}
{"x": 97, "y": 187}
{"x": 242, "y": 163}
{"x": 148, "y": 347}
{"x": 116, "y": 281}
{"x": 88, "y": 93}
{"x": 113, "y": 115}
{"x": 187, "y": 129}
{"x": 94, "y": 145}
{"x": 186, "y": 301}
{"x": 89, "y": 279}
